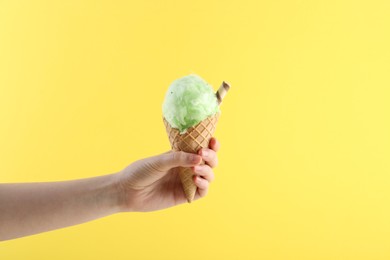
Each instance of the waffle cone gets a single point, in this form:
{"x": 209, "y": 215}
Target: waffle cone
{"x": 192, "y": 141}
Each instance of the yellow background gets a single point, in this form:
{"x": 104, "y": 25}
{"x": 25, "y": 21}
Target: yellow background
{"x": 305, "y": 130}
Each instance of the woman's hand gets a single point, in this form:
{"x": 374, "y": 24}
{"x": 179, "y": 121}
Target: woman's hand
{"x": 146, "y": 185}
{"x": 153, "y": 183}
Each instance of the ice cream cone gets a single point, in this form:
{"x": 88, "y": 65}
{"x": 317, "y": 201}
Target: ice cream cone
{"x": 194, "y": 138}
{"x": 192, "y": 141}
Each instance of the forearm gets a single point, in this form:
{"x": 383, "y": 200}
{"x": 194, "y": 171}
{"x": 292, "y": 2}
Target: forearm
{"x": 30, "y": 208}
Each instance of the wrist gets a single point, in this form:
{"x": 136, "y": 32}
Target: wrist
{"x": 108, "y": 195}
{"x": 122, "y": 202}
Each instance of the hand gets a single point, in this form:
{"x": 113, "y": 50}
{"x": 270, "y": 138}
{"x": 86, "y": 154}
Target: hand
{"x": 154, "y": 183}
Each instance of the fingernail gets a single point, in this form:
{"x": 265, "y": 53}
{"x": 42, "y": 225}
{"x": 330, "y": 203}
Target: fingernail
{"x": 197, "y": 168}
{"x": 205, "y": 153}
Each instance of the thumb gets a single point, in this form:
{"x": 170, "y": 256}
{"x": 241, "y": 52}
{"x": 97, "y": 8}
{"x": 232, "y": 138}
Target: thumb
{"x": 171, "y": 160}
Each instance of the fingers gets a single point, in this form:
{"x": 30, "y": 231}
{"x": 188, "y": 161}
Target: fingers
{"x": 204, "y": 175}
{"x": 204, "y": 171}
{"x": 202, "y": 184}
{"x": 209, "y": 156}
{"x": 214, "y": 144}
{"x": 171, "y": 160}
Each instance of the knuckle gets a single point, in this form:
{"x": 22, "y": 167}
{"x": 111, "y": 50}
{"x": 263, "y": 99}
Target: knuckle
{"x": 211, "y": 153}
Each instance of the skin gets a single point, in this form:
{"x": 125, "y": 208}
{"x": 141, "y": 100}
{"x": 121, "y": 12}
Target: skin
{"x": 146, "y": 185}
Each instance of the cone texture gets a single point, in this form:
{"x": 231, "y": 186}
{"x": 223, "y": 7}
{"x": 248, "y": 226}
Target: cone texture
{"x": 195, "y": 138}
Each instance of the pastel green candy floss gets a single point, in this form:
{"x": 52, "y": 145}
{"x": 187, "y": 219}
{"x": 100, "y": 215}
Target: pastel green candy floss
{"x": 188, "y": 101}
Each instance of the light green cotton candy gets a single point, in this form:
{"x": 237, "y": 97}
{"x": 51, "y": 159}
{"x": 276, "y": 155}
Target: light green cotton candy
{"x": 189, "y": 100}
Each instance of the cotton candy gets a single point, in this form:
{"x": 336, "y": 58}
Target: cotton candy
{"x": 188, "y": 101}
